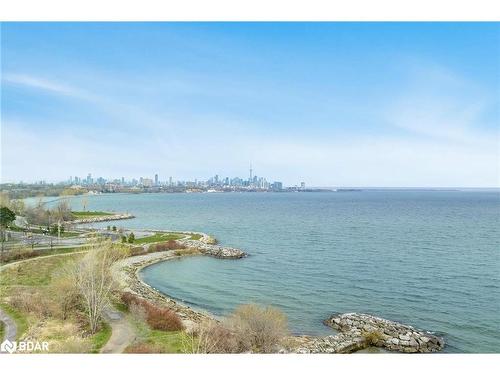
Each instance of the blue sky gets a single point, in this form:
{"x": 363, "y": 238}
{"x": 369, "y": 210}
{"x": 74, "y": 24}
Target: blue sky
{"x": 331, "y": 104}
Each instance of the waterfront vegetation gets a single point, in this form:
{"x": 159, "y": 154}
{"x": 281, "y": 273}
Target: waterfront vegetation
{"x": 38, "y": 296}
{"x": 89, "y": 214}
{"x": 48, "y": 299}
{"x": 158, "y": 237}
{"x": 49, "y": 295}
{"x": 26, "y": 253}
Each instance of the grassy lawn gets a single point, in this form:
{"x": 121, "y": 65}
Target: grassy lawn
{"x": 195, "y": 237}
{"x": 158, "y": 237}
{"x": 33, "y": 273}
{"x": 89, "y": 214}
{"x": 41, "y": 253}
{"x": 19, "y": 319}
{"x": 2, "y": 330}
{"x": 101, "y": 338}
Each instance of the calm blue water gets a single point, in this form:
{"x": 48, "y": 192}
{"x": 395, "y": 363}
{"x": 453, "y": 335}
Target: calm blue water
{"x": 430, "y": 259}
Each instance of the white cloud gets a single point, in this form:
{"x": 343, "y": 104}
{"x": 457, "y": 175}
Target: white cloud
{"x": 441, "y": 142}
{"x": 39, "y": 83}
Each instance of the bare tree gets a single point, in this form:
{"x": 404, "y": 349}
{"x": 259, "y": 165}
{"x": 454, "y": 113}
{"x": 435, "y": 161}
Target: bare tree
{"x": 93, "y": 280}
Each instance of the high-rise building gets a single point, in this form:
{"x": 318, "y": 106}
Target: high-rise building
{"x": 147, "y": 182}
{"x": 156, "y": 179}
{"x": 277, "y": 185}
{"x": 302, "y": 185}
{"x": 170, "y": 181}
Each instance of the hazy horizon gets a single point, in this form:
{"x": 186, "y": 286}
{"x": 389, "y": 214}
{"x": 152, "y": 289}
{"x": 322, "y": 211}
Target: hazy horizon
{"x": 332, "y": 104}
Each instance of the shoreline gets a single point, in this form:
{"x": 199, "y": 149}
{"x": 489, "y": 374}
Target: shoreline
{"x": 126, "y": 273}
{"x": 354, "y": 331}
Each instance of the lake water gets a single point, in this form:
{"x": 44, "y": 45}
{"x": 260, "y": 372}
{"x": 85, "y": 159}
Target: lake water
{"x": 426, "y": 258}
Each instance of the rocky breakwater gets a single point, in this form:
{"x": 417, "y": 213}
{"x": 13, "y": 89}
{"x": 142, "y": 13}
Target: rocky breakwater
{"x": 97, "y": 219}
{"x": 359, "y": 331}
{"x": 214, "y": 250}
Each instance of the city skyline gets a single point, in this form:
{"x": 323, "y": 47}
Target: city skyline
{"x": 394, "y": 105}
{"x": 216, "y": 180}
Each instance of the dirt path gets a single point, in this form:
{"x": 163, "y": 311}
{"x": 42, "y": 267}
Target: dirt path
{"x": 122, "y": 334}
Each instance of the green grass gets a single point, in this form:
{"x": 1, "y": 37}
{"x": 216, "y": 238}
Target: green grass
{"x": 120, "y": 306}
{"x": 196, "y": 237}
{"x": 19, "y": 319}
{"x": 33, "y": 273}
{"x": 158, "y": 237}
{"x": 159, "y": 341}
{"x": 100, "y": 338}
{"x": 170, "y": 342}
{"x": 89, "y": 214}
{"x": 54, "y": 251}
{"x": 2, "y": 330}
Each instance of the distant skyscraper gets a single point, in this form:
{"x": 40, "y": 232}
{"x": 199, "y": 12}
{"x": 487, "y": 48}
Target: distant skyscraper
{"x": 170, "y": 181}
{"x": 250, "y": 179}
{"x": 302, "y": 185}
{"x": 277, "y": 185}
{"x": 156, "y": 179}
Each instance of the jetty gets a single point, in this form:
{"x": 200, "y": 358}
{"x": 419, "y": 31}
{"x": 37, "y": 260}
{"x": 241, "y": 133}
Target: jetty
{"x": 360, "y": 331}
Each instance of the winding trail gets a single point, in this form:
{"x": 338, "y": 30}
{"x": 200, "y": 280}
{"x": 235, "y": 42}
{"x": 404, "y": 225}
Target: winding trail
{"x": 122, "y": 332}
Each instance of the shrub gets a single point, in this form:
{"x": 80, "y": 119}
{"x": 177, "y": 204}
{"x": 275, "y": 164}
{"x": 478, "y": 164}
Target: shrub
{"x": 163, "y": 246}
{"x": 65, "y": 296}
{"x": 131, "y": 237}
{"x": 137, "y": 250}
{"x": 143, "y": 348}
{"x": 159, "y": 318}
{"x": 18, "y": 254}
{"x": 258, "y": 329}
{"x": 210, "y": 337}
{"x": 189, "y": 251}
{"x": 163, "y": 319}
{"x": 34, "y": 302}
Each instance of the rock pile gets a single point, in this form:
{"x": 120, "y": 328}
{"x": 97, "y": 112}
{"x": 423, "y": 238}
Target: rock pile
{"x": 214, "y": 250}
{"x": 102, "y": 218}
{"x": 358, "y": 331}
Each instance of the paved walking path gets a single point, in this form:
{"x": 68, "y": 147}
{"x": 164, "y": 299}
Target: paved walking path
{"x": 10, "y": 327}
{"x": 122, "y": 332}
